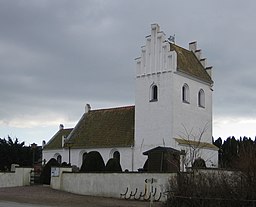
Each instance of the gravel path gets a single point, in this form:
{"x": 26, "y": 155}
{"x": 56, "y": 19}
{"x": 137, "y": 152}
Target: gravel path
{"x": 47, "y": 196}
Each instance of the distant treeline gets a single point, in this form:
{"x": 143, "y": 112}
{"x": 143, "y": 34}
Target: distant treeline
{"x": 226, "y": 188}
{"x": 14, "y": 152}
{"x": 233, "y": 152}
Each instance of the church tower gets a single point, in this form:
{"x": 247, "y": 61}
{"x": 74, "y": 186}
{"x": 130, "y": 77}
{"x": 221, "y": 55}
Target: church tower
{"x": 173, "y": 98}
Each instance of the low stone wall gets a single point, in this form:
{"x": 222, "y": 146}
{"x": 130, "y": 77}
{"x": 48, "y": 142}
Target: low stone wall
{"x": 143, "y": 186}
{"x": 20, "y": 177}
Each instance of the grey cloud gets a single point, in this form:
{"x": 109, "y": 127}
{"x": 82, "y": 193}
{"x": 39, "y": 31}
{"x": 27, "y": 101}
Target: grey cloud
{"x": 57, "y": 55}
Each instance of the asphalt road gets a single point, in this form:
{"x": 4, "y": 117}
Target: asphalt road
{"x": 14, "y": 204}
{"x": 44, "y": 196}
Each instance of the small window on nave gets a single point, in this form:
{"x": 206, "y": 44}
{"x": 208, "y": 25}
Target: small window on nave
{"x": 116, "y": 155}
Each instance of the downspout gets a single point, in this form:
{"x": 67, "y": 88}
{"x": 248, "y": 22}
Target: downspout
{"x": 162, "y": 160}
{"x": 132, "y": 147}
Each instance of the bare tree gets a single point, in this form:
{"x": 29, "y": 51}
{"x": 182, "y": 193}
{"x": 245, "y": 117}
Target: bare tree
{"x": 192, "y": 140}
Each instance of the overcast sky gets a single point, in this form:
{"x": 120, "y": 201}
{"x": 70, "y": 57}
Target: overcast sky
{"x": 58, "y": 55}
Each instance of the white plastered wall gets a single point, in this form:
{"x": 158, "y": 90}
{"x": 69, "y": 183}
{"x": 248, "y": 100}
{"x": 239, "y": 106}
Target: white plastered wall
{"x": 106, "y": 153}
{"x": 157, "y": 123}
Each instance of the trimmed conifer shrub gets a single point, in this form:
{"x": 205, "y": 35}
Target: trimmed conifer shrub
{"x": 93, "y": 162}
{"x": 145, "y": 166}
{"x": 65, "y": 164}
{"x": 46, "y": 173}
{"x": 113, "y": 165}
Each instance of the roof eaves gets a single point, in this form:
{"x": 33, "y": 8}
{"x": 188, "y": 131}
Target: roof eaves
{"x": 97, "y": 146}
{"x": 163, "y": 149}
{"x": 195, "y": 77}
{"x": 199, "y": 144}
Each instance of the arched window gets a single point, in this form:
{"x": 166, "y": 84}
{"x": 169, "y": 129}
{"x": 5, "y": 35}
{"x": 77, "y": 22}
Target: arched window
{"x": 201, "y": 98}
{"x": 59, "y": 159}
{"x": 116, "y": 155}
{"x": 154, "y": 93}
{"x": 185, "y": 93}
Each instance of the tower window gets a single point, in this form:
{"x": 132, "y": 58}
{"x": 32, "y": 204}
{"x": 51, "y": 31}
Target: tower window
{"x": 201, "y": 98}
{"x": 185, "y": 93}
{"x": 154, "y": 93}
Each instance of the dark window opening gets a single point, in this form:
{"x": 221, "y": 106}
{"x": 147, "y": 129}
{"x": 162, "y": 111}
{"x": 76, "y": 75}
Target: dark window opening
{"x": 154, "y": 93}
{"x": 185, "y": 93}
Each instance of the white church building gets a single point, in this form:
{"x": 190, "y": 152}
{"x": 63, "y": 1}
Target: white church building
{"x": 172, "y": 112}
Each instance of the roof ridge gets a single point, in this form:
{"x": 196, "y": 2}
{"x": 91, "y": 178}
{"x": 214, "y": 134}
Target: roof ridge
{"x": 114, "y": 108}
{"x": 180, "y": 47}
{"x": 68, "y": 128}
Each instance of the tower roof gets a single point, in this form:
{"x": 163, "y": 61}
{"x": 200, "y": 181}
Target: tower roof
{"x": 188, "y": 63}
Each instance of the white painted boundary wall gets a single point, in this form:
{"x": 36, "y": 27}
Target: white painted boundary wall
{"x": 112, "y": 184}
{"x": 20, "y": 177}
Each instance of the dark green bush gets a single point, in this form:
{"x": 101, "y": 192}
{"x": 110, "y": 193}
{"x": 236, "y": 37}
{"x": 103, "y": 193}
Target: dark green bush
{"x": 145, "y": 166}
{"x": 46, "y": 173}
{"x": 93, "y": 162}
{"x": 113, "y": 166}
{"x": 199, "y": 163}
{"x": 65, "y": 164}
